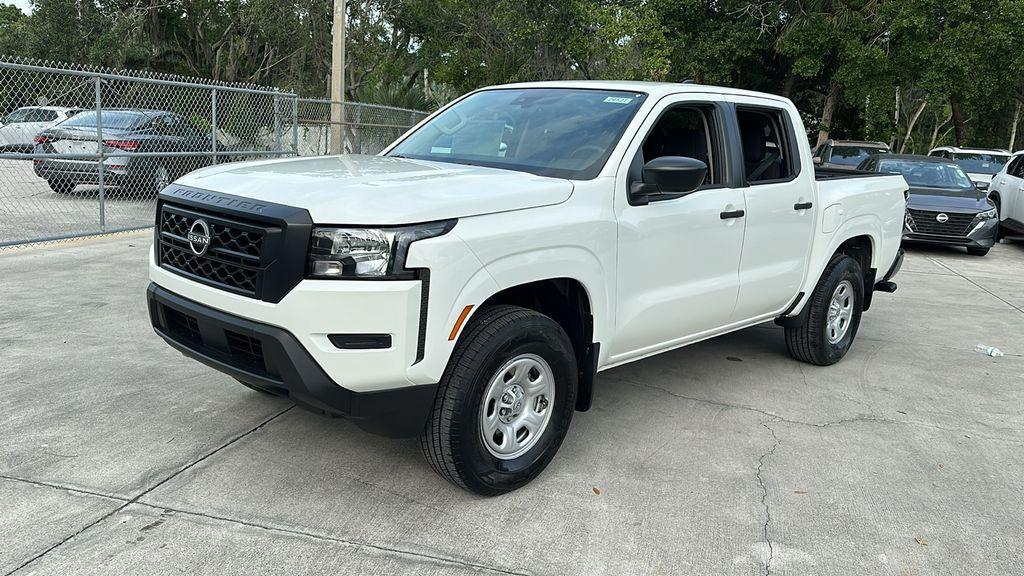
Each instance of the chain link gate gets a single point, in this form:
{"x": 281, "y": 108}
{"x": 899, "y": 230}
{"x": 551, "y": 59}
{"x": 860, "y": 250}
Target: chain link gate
{"x": 84, "y": 151}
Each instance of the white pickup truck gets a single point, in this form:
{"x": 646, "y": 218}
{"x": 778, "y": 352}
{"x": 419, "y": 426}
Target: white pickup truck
{"x": 466, "y": 285}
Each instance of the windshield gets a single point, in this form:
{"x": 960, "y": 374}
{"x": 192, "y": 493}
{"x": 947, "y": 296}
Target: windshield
{"x": 852, "y": 155}
{"x": 928, "y": 174}
{"x": 113, "y": 119}
{"x": 19, "y": 115}
{"x": 565, "y": 133}
{"x": 981, "y": 163}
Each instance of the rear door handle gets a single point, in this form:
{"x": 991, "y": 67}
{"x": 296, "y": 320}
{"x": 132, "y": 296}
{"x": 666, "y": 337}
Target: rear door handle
{"x": 731, "y": 214}
{"x": 802, "y": 206}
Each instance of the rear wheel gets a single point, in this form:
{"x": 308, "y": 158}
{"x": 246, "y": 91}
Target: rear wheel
{"x": 61, "y": 186}
{"x": 505, "y": 401}
{"x": 834, "y": 315}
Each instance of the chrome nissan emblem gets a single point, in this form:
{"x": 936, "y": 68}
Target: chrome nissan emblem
{"x": 199, "y": 237}
{"x": 942, "y": 218}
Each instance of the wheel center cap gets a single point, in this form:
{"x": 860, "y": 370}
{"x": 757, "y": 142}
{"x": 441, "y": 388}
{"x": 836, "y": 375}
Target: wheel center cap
{"x": 512, "y": 399}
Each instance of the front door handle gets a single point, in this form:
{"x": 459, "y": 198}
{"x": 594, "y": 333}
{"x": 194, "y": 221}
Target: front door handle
{"x": 802, "y": 206}
{"x": 731, "y": 214}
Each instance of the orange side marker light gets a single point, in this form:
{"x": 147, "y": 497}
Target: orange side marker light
{"x": 458, "y": 323}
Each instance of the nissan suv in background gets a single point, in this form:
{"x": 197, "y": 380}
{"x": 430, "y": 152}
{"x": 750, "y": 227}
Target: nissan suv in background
{"x": 846, "y": 153}
{"x": 1007, "y": 194}
{"x": 123, "y": 130}
{"x": 944, "y": 206}
{"x": 979, "y": 163}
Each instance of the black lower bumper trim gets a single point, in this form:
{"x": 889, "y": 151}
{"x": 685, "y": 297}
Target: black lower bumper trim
{"x": 272, "y": 359}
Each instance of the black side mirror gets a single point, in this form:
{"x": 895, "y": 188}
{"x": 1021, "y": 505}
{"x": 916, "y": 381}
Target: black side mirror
{"x": 668, "y": 177}
{"x": 982, "y": 186}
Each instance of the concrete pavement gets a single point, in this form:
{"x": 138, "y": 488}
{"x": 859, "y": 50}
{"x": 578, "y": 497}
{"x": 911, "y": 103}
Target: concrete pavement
{"x": 119, "y": 456}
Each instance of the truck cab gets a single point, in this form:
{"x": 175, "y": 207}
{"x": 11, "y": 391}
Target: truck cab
{"x": 466, "y": 285}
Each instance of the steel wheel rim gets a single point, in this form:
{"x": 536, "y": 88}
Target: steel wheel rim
{"x": 516, "y": 406}
{"x": 840, "y": 312}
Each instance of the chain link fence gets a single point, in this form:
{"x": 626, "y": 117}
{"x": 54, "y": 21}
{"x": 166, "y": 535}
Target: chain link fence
{"x": 85, "y": 151}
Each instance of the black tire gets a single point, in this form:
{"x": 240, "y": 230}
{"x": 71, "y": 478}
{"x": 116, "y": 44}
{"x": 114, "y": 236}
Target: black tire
{"x": 452, "y": 442}
{"x": 151, "y": 181}
{"x": 809, "y": 342}
{"x": 999, "y": 211}
{"x": 61, "y": 186}
{"x": 977, "y": 251}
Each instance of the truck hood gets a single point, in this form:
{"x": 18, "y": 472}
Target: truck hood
{"x": 356, "y": 189}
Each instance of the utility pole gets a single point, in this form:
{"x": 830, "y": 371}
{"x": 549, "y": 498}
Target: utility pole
{"x": 338, "y": 78}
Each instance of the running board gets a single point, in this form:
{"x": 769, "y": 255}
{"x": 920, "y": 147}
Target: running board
{"x": 888, "y": 286}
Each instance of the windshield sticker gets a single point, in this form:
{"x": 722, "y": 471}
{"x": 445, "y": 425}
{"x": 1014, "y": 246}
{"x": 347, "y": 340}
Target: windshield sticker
{"x": 618, "y": 100}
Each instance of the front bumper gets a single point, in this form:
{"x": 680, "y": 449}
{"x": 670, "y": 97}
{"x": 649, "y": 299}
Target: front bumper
{"x": 273, "y": 359}
{"x": 981, "y": 235}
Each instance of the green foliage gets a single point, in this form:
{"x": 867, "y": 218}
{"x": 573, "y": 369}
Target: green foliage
{"x": 908, "y": 71}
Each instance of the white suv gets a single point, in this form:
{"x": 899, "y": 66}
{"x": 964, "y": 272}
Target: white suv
{"x": 979, "y": 163}
{"x": 1007, "y": 193}
{"x": 466, "y": 285}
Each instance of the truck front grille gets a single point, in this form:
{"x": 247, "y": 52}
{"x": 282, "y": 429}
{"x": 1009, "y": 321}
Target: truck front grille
{"x": 925, "y": 222}
{"x": 233, "y": 259}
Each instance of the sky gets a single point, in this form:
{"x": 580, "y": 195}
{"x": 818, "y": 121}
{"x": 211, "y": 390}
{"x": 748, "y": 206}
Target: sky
{"x": 23, "y": 4}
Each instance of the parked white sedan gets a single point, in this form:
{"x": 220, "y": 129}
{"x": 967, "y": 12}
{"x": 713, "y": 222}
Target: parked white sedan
{"x": 19, "y": 128}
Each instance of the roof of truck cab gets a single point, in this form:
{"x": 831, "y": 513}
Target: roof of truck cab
{"x": 864, "y": 143}
{"x": 914, "y": 157}
{"x": 656, "y": 89}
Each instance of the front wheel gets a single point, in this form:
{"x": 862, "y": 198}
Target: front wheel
{"x": 834, "y": 315}
{"x": 504, "y": 403}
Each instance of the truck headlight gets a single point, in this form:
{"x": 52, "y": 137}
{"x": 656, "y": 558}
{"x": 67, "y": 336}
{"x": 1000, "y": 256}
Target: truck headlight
{"x": 347, "y": 253}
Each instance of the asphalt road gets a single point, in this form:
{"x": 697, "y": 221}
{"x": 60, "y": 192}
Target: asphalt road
{"x": 119, "y": 456}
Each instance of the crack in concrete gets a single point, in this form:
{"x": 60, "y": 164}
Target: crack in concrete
{"x": 764, "y": 498}
{"x": 990, "y": 293}
{"x": 778, "y": 418}
{"x": 326, "y": 537}
{"x": 148, "y": 490}
{"x": 63, "y": 487}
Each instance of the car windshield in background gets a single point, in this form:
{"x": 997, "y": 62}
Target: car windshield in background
{"x": 112, "y": 119}
{"x": 19, "y": 115}
{"x": 980, "y": 163}
{"x": 560, "y": 132}
{"x": 851, "y": 155}
{"x": 928, "y": 174}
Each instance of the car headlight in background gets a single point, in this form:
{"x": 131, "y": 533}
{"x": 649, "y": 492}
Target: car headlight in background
{"x": 986, "y": 214}
{"x": 366, "y": 253}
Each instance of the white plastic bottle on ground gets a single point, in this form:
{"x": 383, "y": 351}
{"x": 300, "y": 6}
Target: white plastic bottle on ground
{"x": 988, "y": 350}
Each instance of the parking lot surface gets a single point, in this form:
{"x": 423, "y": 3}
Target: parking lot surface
{"x": 119, "y": 456}
{"x": 30, "y": 210}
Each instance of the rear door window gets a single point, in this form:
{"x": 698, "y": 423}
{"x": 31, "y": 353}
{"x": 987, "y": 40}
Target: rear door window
{"x": 769, "y": 151}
